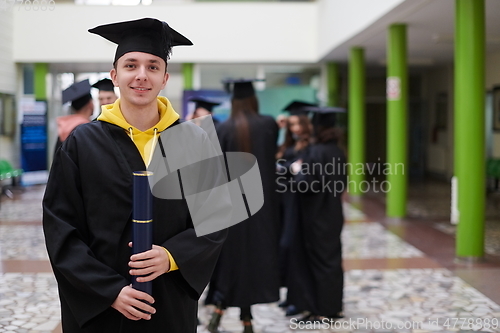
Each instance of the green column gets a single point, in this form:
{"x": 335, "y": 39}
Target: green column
{"x": 333, "y": 83}
{"x": 41, "y": 71}
{"x": 356, "y": 123}
{"x": 469, "y": 126}
{"x": 187, "y": 71}
{"x": 397, "y": 121}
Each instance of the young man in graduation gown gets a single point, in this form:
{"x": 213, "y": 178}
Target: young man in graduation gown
{"x": 88, "y": 204}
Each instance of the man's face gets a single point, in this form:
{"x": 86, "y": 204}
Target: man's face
{"x": 140, "y": 77}
{"x": 106, "y": 97}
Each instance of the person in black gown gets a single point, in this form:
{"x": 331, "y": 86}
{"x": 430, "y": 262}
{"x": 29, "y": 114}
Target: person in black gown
{"x": 247, "y": 271}
{"x": 82, "y": 107}
{"x": 316, "y": 254}
{"x": 107, "y": 93}
{"x": 204, "y": 107}
{"x": 298, "y": 136}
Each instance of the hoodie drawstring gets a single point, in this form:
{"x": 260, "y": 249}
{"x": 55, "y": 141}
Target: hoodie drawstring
{"x": 131, "y": 133}
{"x": 153, "y": 146}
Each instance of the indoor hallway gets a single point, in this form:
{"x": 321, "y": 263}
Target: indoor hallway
{"x": 397, "y": 274}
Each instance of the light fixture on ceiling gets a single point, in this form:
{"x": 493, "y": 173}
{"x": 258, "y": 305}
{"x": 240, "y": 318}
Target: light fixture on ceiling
{"x": 126, "y": 2}
{"x": 412, "y": 62}
{"x": 449, "y": 39}
{"x": 442, "y": 39}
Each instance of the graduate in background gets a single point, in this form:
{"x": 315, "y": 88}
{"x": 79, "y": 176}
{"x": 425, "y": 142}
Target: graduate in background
{"x": 107, "y": 93}
{"x": 247, "y": 272}
{"x": 82, "y": 107}
{"x": 281, "y": 121}
{"x": 88, "y": 203}
{"x": 316, "y": 251}
{"x": 298, "y": 137}
{"x": 204, "y": 107}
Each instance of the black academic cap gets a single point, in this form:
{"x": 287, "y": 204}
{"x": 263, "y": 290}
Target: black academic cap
{"x": 146, "y": 35}
{"x": 204, "y": 103}
{"x": 324, "y": 115}
{"x": 104, "y": 85}
{"x": 242, "y": 88}
{"x": 78, "y": 94}
{"x": 297, "y": 108}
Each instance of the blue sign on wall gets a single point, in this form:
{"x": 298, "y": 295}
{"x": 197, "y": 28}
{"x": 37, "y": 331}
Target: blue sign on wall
{"x": 34, "y": 137}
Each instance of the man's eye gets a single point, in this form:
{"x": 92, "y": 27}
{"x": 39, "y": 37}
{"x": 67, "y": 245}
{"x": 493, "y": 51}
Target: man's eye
{"x": 130, "y": 66}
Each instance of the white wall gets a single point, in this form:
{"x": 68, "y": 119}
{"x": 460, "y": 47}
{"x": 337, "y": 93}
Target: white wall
{"x": 221, "y": 32}
{"x": 340, "y": 20}
{"x": 7, "y": 67}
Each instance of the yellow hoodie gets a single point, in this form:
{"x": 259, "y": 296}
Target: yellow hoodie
{"x": 144, "y": 141}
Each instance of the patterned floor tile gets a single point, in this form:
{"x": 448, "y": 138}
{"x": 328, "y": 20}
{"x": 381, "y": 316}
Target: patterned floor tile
{"x": 28, "y": 303}
{"x": 403, "y": 300}
{"x": 23, "y": 242}
{"x": 368, "y": 240}
{"x": 26, "y": 207}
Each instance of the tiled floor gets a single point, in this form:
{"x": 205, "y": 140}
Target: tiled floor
{"x": 401, "y": 276}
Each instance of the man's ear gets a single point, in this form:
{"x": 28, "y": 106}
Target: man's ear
{"x": 112, "y": 74}
{"x": 165, "y": 79}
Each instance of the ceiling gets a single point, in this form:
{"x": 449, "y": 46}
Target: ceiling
{"x": 430, "y": 33}
{"x": 430, "y": 38}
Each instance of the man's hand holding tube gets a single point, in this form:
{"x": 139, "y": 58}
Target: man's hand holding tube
{"x": 131, "y": 302}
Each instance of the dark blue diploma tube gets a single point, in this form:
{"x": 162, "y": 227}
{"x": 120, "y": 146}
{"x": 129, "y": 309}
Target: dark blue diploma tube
{"x": 142, "y": 222}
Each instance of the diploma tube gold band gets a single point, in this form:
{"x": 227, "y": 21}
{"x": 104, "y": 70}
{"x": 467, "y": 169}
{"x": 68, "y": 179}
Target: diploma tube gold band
{"x": 142, "y": 221}
{"x": 143, "y": 173}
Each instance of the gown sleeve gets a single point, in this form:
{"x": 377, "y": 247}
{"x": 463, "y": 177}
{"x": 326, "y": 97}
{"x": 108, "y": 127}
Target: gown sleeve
{"x": 87, "y": 285}
{"x": 194, "y": 255}
{"x": 323, "y": 165}
{"x": 196, "y": 258}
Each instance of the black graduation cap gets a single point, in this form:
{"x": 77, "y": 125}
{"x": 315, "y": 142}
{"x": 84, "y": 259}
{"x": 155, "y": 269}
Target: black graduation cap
{"x": 242, "y": 88}
{"x": 146, "y": 35}
{"x": 324, "y": 115}
{"x": 104, "y": 85}
{"x": 78, "y": 94}
{"x": 204, "y": 103}
{"x": 297, "y": 108}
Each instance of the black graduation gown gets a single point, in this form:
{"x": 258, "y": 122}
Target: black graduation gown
{"x": 289, "y": 210}
{"x": 87, "y": 224}
{"x": 247, "y": 271}
{"x": 317, "y": 282}
{"x": 58, "y": 144}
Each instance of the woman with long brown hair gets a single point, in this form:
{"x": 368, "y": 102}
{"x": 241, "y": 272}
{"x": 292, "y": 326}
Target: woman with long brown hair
{"x": 247, "y": 271}
{"x": 317, "y": 286}
{"x": 298, "y": 129}
{"x": 298, "y": 136}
